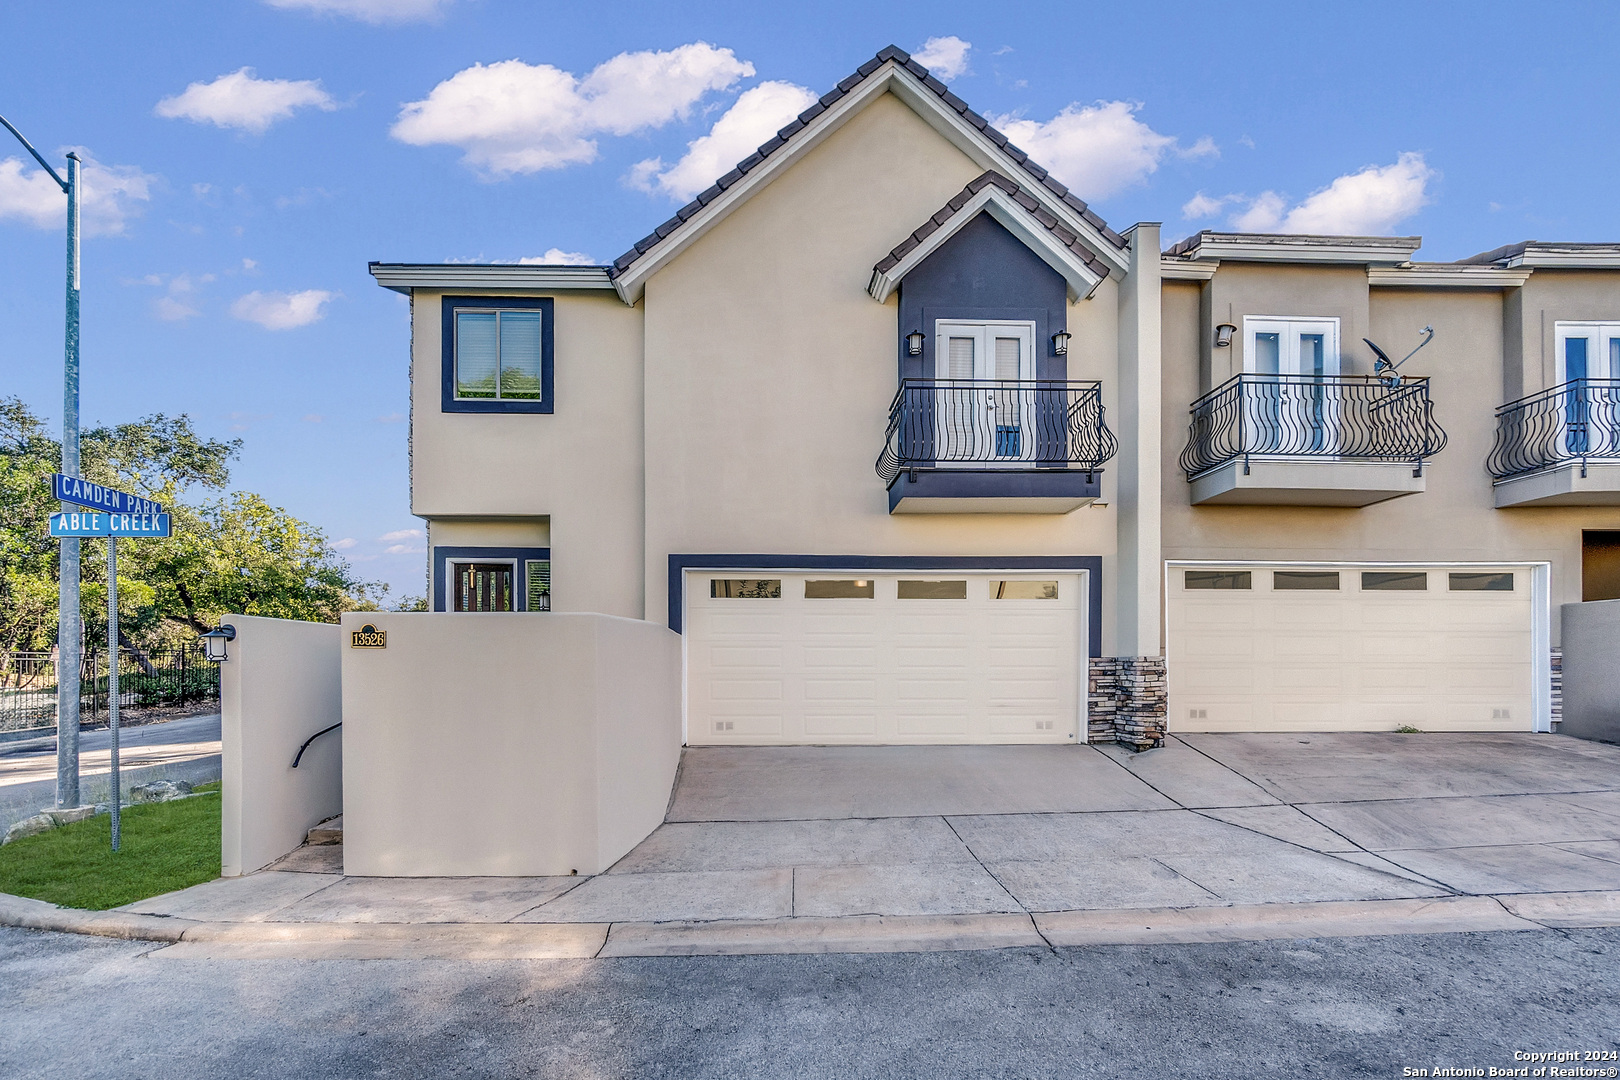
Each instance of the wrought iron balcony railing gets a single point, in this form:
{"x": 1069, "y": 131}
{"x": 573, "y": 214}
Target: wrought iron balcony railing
{"x": 993, "y": 424}
{"x": 1578, "y": 421}
{"x": 1334, "y": 417}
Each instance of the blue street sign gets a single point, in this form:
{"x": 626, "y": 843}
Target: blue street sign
{"x": 94, "y": 523}
{"x": 70, "y": 489}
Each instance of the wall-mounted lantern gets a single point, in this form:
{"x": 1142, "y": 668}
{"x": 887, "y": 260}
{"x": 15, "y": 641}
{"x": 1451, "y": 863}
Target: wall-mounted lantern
{"x": 1060, "y": 343}
{"x": 214, "y": 642}
{"x": 914, "y": 343}
{"x": 1223, "y": 335}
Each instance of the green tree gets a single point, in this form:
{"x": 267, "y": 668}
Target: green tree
{"x": 227, "y": 552}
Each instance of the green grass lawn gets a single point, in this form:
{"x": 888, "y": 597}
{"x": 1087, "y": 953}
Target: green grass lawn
{"x": 165, "y": 846}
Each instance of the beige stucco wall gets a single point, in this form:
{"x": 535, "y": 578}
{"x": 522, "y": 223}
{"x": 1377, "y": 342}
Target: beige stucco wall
{"x": 506, "y": 744}
{"x": 578, "y": 469}
{"x": 1548, "y": 298}
{"x": 1240, "y": 289}
{"x": 770, "y": 370}
{"x": 1453, "y": 519}
{"x": 279, "y": 686}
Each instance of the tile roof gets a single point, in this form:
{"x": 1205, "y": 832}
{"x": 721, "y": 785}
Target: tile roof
{"x": 704, "y": 198}
{"x": 1066, "y": 236}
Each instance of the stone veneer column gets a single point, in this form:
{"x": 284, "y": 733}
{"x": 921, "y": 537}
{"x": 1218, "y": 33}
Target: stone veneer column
{"x": 1126, "y": 701}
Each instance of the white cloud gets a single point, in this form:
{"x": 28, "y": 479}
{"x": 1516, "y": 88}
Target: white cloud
{"x": 344, "y": 544}
{"x": 400, "y": 534}
{"x": 1205, "y": 206}
{"x": 1204, "y": 148}
{"x": 241, "y": 101}
{"x": 281, "y": 311}
{"x": 1366, "y": 203}
{"x": 1096, "y": 150}
{"x": 371, "y": 11}
{"x": 510, "y": 117}
{"x": 558, "y": 257}
{"x": 946, "y": 57}
{"x": 403, "y": 549}
{"x": 109, "y": 195}
{"x": 177, "y": 305}
{"x": 756, "y": 115}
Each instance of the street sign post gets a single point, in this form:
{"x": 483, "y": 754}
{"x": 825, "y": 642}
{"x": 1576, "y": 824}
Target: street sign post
{"x": 119, "y": 514}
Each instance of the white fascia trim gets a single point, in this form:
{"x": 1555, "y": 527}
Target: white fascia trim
{"x": 1172, "y": 268}
{"x": 1565, "y": 259}
{"x": 926, "y": 104}
{"x": 403, "y": 277}
{"x": 1288, "y": 249}
{"x": 1443, "y": 276}
{"x": 1018, "y": 221}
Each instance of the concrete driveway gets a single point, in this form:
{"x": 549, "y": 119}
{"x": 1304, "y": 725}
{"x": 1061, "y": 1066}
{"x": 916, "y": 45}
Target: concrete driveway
{"x": 1043, "y": 841}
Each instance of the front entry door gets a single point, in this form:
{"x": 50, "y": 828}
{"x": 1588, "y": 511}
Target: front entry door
{"x": 986, "y": 416}
{"x": 483, "y": 587}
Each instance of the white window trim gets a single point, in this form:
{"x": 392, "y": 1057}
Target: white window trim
{"x": 1603, "y": 331}
{"x": 1289, "y": 327}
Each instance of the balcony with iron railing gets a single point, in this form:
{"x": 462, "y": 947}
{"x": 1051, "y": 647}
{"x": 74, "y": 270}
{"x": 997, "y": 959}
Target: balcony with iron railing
{"x": 1310, "y": 440}
{"x": 958, "y": 446}
{"x": 1560, "y": 447}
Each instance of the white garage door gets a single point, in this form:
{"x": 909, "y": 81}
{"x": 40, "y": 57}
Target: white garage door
{"x": 1350, "y": 649}
{"x": 925, "y": 657}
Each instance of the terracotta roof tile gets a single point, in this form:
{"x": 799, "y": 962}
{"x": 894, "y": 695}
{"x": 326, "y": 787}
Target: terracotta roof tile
{"x": 957, "y": 105}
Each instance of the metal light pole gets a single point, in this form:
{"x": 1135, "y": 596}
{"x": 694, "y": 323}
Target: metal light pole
{"x": 67, "y": 627}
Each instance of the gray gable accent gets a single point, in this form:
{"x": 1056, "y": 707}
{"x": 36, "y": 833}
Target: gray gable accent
{"x": 1037, "y": 174}
{"x": 991, "y": 178}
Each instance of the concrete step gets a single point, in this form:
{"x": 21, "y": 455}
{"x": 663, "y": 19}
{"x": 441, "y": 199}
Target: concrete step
{"x": 329, "y": 831}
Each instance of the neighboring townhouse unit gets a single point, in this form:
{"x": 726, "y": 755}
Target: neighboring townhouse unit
{"x": 910, "y": 446}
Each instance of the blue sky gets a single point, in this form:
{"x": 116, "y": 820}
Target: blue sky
{"x": 237, "y": 210}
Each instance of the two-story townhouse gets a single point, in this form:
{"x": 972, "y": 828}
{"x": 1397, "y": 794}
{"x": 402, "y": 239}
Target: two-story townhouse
{"x": 910, "y": 446}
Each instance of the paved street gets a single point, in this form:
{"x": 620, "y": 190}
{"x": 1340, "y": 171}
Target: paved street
{"x": 182, "y": 749}
{"x": 1341, "y": 1008}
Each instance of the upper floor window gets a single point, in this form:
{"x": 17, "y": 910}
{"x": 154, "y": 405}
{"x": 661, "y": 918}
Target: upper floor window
{"x": 1290, "y": 346}
{"x": 497, "y": 354}
{"x": 1001, "y": 350}
{"x": 1587, "y": 350}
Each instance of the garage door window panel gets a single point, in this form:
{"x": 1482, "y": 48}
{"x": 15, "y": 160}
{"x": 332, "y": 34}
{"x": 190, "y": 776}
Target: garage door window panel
{"x": 1217, "y": 579}
{"x": 745, "y": 588}
{"x": 1305, "y": 580}
{"x": 1394, "y": 581}
{"x": 931, "y": 590}
{"x": 1023, "y": 590}
{"x": 1488, "y": 582}
{"x": 852, "y": 589}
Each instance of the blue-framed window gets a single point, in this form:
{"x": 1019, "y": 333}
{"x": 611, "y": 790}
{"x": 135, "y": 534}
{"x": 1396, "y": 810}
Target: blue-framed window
{"x": 498, "y": 354}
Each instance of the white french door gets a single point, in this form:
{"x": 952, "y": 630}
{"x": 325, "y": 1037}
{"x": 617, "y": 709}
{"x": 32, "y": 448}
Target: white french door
{"x": 1295, "y": 412}
{"x": 1589, "y": 354}
{"x": 981, "y": 416}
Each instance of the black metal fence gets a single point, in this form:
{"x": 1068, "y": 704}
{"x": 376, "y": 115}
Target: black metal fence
{"x": 949, "y": 423}
{"x": 165, "y": 677}
{"x": 1353, "y": 417}
{"x": 1574, "y": 422}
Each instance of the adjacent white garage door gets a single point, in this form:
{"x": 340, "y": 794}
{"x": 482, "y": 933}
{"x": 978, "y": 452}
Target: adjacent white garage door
{"x": 1350, "y": 649}
{"x": 925, "y": 657}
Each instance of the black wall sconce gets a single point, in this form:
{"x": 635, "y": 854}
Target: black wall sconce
{"x": 914, "y": 343}
{"x": 214, "y": 642}
{"x": 1060, "y": 343}
{"x": 1223, "y": 335}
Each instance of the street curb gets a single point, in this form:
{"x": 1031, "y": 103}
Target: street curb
{"x": 191, "y": 939}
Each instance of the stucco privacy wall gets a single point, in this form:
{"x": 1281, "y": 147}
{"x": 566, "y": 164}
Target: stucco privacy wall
{"x": 770, "y": 370}
{"x": 484, "y": 465}
{"x": 1591, "y": 676}
{"x": 279, "y": 687}
{"x": 506, "y": 745}
{"x": 1453, "y": 520}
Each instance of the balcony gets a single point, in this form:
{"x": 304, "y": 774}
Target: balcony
{"x": 968, "y": 446}
{"x": 1304, "y": 440}
{"x": 1560, "y": 447}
